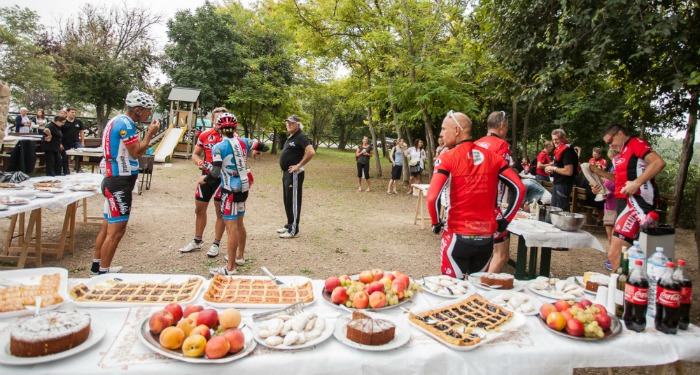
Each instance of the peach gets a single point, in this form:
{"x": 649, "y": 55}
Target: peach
{"x": 172, "y": 338}
{"x": 229, "y": 318}
{"x": 366, "y": 277}
{"x": 377, "y": 300}
{"x": 547, "y": 309}
{"x": 194, "y": 345}
{"x": 186, "y": 325}
{"x": 201, "y": 330}
{"x": 236, "y": 339}
{"x": 194, "y": 316}
{"x": 378, "y": 274}
{"x": 556, "y": 321}
{"x": 217, "y": 347}
{"x": 176, "y": 310}
{"x": 339, "y": 295}
{"x": 562, "y": 305}
{"x": 208, "y": 317}
{"x": 159, "y": 321}
{"x": 360, "y": 300}
{"x": 574, "y": 327}
{"x": 332, "y": 283}
{"x": 189, "y": 309}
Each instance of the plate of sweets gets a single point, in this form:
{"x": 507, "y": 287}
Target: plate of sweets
{"x": 20, "y": 289}
{"x": 493, "y": 281}
{"x": 372, "y": 290}
{"x": 555, "y": 289}
{"x": 369, "y": 333}
{"x": 447, "y": 287}
{"x": 204, "y": 336}
{"x": 591, "y": 281}
{"x": 286, "y": 332}
{"x": 9, "y": 186}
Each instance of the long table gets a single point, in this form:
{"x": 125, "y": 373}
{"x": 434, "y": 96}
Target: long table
{"x": 529, "y": 350}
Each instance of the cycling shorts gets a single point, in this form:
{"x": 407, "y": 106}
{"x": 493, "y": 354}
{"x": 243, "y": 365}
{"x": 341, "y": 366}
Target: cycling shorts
{"x": 230, "y": 209}
{"x": 462, "y": 255}
{"x": 118, "y": 193}
{"x": 204, "y": 192}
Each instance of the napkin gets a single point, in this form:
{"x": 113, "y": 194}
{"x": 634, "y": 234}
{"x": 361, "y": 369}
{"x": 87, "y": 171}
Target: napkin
{"x": 601, "y": 296}
{"x": 612, "y": 288}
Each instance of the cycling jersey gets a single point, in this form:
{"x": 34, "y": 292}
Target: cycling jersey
{"x": 493, "y": 143}
{"x": 471, "y": 175}
{"x": 223, "y": 153}
{"x": 600, "y": 163}
{"x": 542, "y": 157}
{"x": 119, "y": 132}
{"x": 207, "y": 140}
{"x": 629, "y": 165}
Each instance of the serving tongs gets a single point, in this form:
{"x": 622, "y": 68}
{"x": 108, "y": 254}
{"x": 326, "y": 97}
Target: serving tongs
{"x": 274, "y": 278}
{"x": 293, "y": 309}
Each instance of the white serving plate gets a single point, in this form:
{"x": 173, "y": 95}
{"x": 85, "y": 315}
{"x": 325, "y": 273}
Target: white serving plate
{"x": 84, "y": 187}
{"x": 136, "y": 278}
{"x": 401, "y": 336}
{"x": 327, "y": 332}
{"x": 536, "y": 302}
{"x": 32, "y": 276}
{"x": 475, "y": 279}
{"x": 151, "y": 341}
{"x": 289, "y": 280}
{"x": 356, "y": 277}
{"x": 14, "y": 201}
{"x": 443, "y": 293}
{"x": 516, "y": 322}
{"x": 97, "y": 331}
{"x": 553, "y": 296}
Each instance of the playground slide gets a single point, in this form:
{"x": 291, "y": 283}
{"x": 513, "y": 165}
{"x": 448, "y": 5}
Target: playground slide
{"x": 167, "y": 144}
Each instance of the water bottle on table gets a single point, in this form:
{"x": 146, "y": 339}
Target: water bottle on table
{"x": 656, "y": 266}
{"x": 635, "y": 252}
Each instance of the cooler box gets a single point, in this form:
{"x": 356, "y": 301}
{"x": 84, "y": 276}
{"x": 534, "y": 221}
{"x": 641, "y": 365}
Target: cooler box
{"x": 661, "y": 236}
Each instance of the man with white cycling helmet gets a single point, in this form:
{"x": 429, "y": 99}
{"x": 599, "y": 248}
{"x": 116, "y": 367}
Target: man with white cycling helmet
{"x": 120, "y": 166}
{"x": 230, "y": 167}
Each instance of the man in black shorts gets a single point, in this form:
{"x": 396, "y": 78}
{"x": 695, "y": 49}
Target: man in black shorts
{"x": 297, "y": 152}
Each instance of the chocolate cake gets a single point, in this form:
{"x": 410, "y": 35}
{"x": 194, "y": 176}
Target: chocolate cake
{"x": 503, "y": 279}
{"x": 367, "y": 331}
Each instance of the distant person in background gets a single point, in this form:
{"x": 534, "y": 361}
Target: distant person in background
{"x": 525, "y": 165}
{"x": 597, "y": 159}
{"x": 563, "y": 171}
{"x": 73, "y": 136}
{"x": 51, "y": 144}
{"x": 610, "y": 208}
{"x": 543, "y": 161}
{"x": 40, "y": 121}
{"x": 440, "y": 148}
{"x": 362, "y": 155}
{"x": 396, "y": 157}
{"x": 416, "y": 163}
{"x": 22, "y": 122}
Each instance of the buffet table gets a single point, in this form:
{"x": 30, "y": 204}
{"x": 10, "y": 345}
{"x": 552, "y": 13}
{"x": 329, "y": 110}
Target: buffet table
{"x": 528, "y": 350}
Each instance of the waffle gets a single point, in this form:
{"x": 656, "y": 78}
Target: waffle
{"x": 143, "y": 292}
{"x": 14, "y": 298}
{"x": 7, "y": 185}
{"x": 48, "y": 184}
{"x": 456, "y": 321}
{"x": 224, "y": 289}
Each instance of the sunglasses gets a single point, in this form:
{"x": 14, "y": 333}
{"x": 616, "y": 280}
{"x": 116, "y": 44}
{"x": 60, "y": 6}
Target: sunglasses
{"x": 451, "y": 113}
{"x": 610, "y": 140}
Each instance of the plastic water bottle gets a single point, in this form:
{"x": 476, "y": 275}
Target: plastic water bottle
{"x": 635, "y": 252}
{"x": 656, "y": 266}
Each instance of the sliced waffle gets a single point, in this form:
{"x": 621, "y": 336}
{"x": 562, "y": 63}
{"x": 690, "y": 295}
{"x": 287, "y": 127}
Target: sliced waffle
{"x": 48, "y": 184}
{"x": 7, "y": 185}
{"x": 141, "y": 292}
{"x": 223, "y": 289}
{"x": 456, "y": 321}
{"x": 16, "y": 297}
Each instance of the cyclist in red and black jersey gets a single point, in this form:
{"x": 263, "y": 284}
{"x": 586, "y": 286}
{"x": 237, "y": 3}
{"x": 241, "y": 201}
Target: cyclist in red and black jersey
{"x": 471, "y": 175}
{"x": 497, "y": 126}
{"x": 635, "y": 188}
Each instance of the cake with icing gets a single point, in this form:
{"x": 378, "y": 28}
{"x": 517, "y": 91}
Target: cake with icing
{"x": 504, "y": 280}
{"x": 49, "y": 333}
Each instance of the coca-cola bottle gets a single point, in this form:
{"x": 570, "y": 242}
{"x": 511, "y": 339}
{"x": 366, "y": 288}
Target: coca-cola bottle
{"x": 636, "y": 299}
{"x": 668, "y": 302}
{"x": 686, "y": 290}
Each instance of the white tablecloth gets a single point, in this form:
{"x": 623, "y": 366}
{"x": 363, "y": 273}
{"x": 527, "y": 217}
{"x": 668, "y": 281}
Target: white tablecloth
{"x": 530, "y": 350}
{"x": 540, "y": 234}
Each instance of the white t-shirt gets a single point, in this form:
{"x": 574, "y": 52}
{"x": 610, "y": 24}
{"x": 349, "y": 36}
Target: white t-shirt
{"x": 416, "y": 156}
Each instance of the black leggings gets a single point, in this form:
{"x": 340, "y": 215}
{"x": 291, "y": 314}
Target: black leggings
{"x": 53, "y": 163}
{"x": 292, "y": 186}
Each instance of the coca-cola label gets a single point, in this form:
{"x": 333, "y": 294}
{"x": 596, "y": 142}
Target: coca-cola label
{"x": 685, "y": 295}
{"x": 636, "y": 295}
{"x": 667, "y": 297}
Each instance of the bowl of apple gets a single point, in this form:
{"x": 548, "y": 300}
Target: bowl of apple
{"x": 370, "y": 289}
{"x": 580, "y": 320}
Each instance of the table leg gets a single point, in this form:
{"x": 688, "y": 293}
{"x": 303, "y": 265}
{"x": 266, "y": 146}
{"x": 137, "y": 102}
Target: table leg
{"x": 545, "y": 261}
{"x": 521, "y": 260}
{"x": 532, "y": 268}
{"x": 415, "y": 218}
{"x": 27, "y": 239}
{"x": 421, "y": 204}
{"x": 10, "y": 234}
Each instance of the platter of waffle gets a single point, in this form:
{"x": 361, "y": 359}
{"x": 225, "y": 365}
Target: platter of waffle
{"x": 9, "y": 186}
{"x": 19, "y": 289}
{"x": 258, "y": 291}
{"x": 133, "y": 289}
{"x": 84, "y": 187}
{"x": 47, "y": 184}
{"x": 466, "y": 324}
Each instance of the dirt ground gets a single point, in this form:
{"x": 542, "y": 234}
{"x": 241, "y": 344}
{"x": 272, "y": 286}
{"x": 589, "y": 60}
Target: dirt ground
{"x": 341, "y": 231}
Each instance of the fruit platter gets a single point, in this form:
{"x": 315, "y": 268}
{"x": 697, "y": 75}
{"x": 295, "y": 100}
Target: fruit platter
{"x": 286, "y": 332}
{"x": 447, "y": 287}
{"x": 197, "y": 335}
{"x": 372, "y": 290}
{"x": 580, "y": 320}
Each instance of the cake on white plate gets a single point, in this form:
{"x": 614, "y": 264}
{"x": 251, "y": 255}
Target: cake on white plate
{"x": 48, "y": 333}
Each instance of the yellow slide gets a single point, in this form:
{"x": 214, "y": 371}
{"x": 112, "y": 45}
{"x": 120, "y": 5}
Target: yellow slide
{"x": 167, "y": 145}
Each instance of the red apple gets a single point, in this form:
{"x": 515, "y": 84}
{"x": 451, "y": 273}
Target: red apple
{"x": 567, "y": 315}
{"x": 375, "y": 286}
{"x": 586, "y": 302}
{"x": 574, "y": 327}
{"x": 578, "y": 305}
{"x": 189, "y": 309}
{"x": 403, "y": 278}
{"x": 547, "y": 309}
{"x": 360, "y": 300}
{"x": 208, "y": 317}
{"x": 176, "y": 310}
{"x": 390, "y": 276}
{"x": 603, "y": 321}
{"x": 339, "y": 295}
{"x": 562, "y": 305}
{"x": 601, "y": 308}
{"x": 235, "y": 338}
{"x": 378, "y": 274}
{"x": 217, "y": 347}
{"x": 377, "y": 300}
{"x": 159, "y": 321}
{"x": 201, "y": 330}
{"x": 332, "y": 283}
{"x": 344, "y": 277}
{"x": 366, "y": 277}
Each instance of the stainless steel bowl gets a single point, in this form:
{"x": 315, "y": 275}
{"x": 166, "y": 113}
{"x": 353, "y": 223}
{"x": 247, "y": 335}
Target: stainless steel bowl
{"x": 568, "y": 221}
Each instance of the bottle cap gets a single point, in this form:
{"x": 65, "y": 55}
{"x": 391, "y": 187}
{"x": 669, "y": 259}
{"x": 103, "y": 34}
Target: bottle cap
{"x": 659, "y": 249}
{"x": 681, "y": 262}
{"x": 638, "y": 262}
{"x": 670, "y": 265}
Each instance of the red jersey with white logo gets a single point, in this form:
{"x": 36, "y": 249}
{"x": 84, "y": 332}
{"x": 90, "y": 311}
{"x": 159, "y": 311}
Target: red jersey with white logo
{"x": 542, "y": 157}
{"x": 600, "y": 163}
{"x": 207, "y": 140}
{"x": 471, "y": 174}
{"x": 630, "y": 164}
{"x": 497, "y": 145}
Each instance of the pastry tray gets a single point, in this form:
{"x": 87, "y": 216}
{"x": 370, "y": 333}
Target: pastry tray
{"x": 32, "y": 276}
{"x": 289, "y": 280}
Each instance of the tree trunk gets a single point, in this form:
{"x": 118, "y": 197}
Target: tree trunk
{"x": 686, "y": 157}
{"x": 514, "y": 126}
{"x": 526, "y": 122}
{"x": 257, "y": 121}
{"x": 697, "y": 219}
{"x": 394, "y": 113}
{"x": 372, "y": 131}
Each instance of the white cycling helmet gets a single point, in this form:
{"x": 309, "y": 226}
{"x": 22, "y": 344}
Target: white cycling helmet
{"x": 138, "y": 98}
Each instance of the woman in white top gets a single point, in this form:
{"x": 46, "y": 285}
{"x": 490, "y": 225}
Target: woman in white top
{"x": 39, "y": 122}
{"x": 416, "y": 162}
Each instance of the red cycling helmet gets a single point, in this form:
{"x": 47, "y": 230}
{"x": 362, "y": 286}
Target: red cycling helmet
{"x": 227, "y": 121}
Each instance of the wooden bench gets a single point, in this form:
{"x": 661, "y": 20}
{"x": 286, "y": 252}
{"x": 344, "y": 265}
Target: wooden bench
{"x": 578, "y": 198}
{"x": 549, "y": 185}
{"x": 666, "y": 203}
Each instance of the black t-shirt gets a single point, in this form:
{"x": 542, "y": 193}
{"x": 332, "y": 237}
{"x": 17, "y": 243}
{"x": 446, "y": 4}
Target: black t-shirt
{"x": 364, "y": 159}
{"x": 568, "y": 157}
{"x": 71, "y": 133}
{"x": 293, "y": 150}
